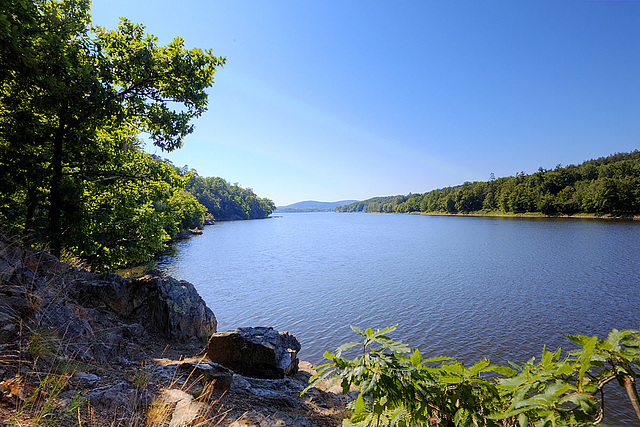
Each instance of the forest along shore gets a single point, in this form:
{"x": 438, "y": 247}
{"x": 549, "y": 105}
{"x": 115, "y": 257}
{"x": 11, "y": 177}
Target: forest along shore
{"x": 529, "y": 215}
{"x": 112, "y": 351}
{"x": 607, "y": 186}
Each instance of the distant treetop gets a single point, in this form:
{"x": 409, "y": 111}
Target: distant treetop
{"x": 607, "y": 186}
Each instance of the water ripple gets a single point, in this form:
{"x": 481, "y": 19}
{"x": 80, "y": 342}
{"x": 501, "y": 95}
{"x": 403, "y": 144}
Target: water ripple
{"x": 463, "y": 287}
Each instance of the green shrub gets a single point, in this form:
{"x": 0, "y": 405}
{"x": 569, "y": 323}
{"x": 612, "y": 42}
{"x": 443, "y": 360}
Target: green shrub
{"x": 398, "y": 387}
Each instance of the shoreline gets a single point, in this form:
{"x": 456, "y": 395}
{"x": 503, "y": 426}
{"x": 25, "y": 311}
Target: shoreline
{"x": 529, "y": 215}
{"x": 102, "y": 352}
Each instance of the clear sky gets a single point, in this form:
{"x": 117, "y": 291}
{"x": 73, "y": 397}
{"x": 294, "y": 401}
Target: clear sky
{"x": 331, "y": 100}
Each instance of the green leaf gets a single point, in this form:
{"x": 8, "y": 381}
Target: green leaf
{"x": 565, "y": 369}
{"x": 547, "y": 358}
{"x": 509, "y": 414}
{"x": 462, "y": 418}
{"x": 585, "y": 359}
{"x": 437, "y": 359}
{"x": 614, "y": 338}
{"x": 369, "y": 383}
{"x": 359, "y": 404}
{"x": 477, "y": 368}
{"x": 523, "y": 420}
{"x": 345, "y": 347}
{"x": 396, "y": 416}
{"x": 512, "y": 382}
{"x": 451, "y": 379}
{"x": 358, "y": 331}
{"x": 328, "y": 355}
{"x": 416, "y": 358}
{"x": 357, "y": 419}
{"x": 579, "y": 339}
{"x": 557, "y": 388}
{"x": 455, "y": 368}
{"x": 394, "y": 346}
{"x": 504, "y": 370}
{"x": 387, "y": 330}
{"x": 630, "y": 341}
{"x": 575, "y": 398}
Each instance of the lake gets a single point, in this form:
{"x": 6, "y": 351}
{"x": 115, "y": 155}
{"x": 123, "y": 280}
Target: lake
{"x": 466, "y": 287}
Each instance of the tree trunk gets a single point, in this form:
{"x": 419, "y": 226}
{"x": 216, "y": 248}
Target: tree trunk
{"x": 32, "y": 203}
{"x": 55, "y": 196}
{"x": 632, "y": 392}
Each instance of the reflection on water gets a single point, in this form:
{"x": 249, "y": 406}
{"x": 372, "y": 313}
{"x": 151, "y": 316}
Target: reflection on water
{"x": 463, "y": 287}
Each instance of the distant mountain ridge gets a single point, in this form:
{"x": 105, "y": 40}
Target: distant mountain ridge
{"x": 312, "y": 206}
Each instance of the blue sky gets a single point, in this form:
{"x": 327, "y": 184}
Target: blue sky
{"x": 331, "y": 100}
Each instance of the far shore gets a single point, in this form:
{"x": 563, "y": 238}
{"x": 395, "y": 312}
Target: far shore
{"x": 529, "y": 215}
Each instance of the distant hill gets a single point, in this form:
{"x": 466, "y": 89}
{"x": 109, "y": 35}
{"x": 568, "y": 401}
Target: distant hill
{"x": 312, "y": 206}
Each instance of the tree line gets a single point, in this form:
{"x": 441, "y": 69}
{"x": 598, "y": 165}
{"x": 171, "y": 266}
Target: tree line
{"x": 225, "y": 201}
{"x": 604, "y": 186}
{"x": 74, "y": 99}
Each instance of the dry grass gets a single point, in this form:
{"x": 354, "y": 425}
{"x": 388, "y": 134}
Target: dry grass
{"x": 204, "y": 410}
{"x": 193, "y": 403}
{"x": 37, "y": 384}
{"x": 36, "y": 401}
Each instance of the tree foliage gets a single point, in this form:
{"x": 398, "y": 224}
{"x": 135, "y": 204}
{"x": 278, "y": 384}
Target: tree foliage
{"x": 397, "y": 386}
{"x": 225, "y": 201}
{"x": 605, "y": 186}
{"x": 73, "y": 100}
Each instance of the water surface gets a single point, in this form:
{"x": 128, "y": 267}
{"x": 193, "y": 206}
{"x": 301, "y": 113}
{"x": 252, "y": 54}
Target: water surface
{"x": 465, "y": 287}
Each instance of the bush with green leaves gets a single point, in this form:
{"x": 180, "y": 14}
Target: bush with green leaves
{"x": 398, "y": 387}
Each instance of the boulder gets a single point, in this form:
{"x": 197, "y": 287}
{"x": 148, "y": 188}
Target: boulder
{"x": 171, "y": 307}
{"x": 256, "y": 352}
{"x": 175, "y": 306}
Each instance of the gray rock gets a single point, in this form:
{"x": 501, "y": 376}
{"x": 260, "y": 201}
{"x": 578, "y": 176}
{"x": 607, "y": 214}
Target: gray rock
{"x": 256, "y": 352}
{"x": 176, "y": 307}
{"x": 282, "y": 392}
{"x": 222, "y": 376}
{"x": 7, "y": 267}
{"x": 115, "y": 396}
{"x": 270, "y": 419}
{"x": 86, "y": 376}
{"x": 134, "y": 330}
{"x": 240, "y": 383}
{"x": 171, "y": 307}
{"x": 186, "y": 411}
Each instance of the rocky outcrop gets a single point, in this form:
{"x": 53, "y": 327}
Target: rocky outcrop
{"x": 256, "y": 352}
{"x": 172, "y": 308}
{"x": 278, "y": 402}
{"x": 29, "y": 282}
{"x": 98, "y": 317}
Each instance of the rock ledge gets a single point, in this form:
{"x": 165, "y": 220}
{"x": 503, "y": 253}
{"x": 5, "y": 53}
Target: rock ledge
{"x": 256, "y": 352}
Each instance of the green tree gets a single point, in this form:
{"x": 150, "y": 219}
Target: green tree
{"x": 66, "y": 84}
{"x": 225, "y": 201}
{"x": 130, "y": 207}
{"x": 605, "y": 186}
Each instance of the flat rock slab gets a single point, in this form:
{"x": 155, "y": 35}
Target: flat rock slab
{"x": 222, "y": 377}
{"x": 256, "y": 352}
